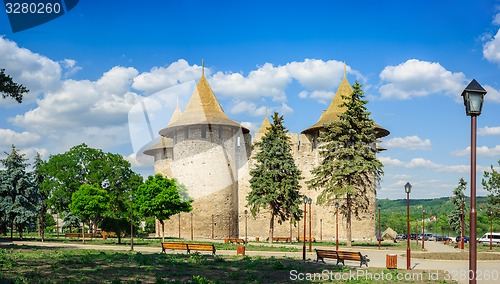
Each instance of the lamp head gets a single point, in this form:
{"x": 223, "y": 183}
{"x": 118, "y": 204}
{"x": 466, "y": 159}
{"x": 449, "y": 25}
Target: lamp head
{"x": 305, "y": 199}
{"x": 309, "y": 200}
{"x": 337, "y": 205}
{"x": 407, "y": 187}
{"x": 379, "y": 206}
{"x": 473, "y": 98}
{"x": 246, "y": 212}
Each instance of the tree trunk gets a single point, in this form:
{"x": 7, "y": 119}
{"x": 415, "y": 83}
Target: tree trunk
{"x": 348, "y": 221}
{"x": 83, "y": 232}
{"x": 119, "y": 234}
{"x": 11, "y": 231}
{"x": 162, "y": 231}
{"x": 20, "y": 229}
{"x": 271, "y": 228}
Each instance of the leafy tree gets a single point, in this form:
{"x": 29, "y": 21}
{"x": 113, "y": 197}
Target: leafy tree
{"x": 110, "y": 224}
{"x": 455, "y": 216}
{"x": 350, "y": 169}
{"x": 42, "y": 204}
{"x": 70, "y": 221}
{"x": 275, "y": 178}
{"x": 65, "y": 173}
{"x": 90, "y": 203}
{"x": 8, "y": 88}
{"x": 18, "y": 195}
{"x": 491, "y": 182}
{"x": 160, "y": 197}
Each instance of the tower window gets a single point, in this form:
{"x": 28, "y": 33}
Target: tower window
{"x": 203, "y": 131}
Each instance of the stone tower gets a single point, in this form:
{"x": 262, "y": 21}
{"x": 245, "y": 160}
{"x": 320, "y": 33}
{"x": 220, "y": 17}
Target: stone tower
{"x": 203, "y": 149}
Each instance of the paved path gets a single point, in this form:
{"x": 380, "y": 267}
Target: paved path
{"x": 456, "y": 268}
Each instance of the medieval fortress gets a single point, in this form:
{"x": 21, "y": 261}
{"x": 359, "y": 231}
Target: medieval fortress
{"x": 212, "y": 156}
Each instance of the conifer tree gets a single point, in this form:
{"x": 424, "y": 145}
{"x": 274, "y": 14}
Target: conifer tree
{"x": 491, "y": 182}
{"x": 9, "y": 88}
{"x": 457, "y": 200}
{"x": 275, "y": 177}
{"x": 18, "y": 195}
{"x": 349, "y": 169}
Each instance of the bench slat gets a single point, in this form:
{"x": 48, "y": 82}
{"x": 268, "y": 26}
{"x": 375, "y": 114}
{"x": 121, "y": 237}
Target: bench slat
{"x": 340, "y": 256}
{"x": 201, "y": 247}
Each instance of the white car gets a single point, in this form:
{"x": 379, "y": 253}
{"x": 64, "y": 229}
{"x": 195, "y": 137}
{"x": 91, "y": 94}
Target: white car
{"x": 485, "y": 239}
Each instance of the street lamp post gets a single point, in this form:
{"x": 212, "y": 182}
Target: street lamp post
{"x": 408, "y": 250}
{"x": 246, "y": 227}
{"x": 423, "y": 229}
{"x": 337, "y": 226}
{"x": 320, "y": 230}
{"x": 416, "y": 230}
{"x": 305, "y": 215}
{"x": 192, "y": 235}
{"x": 379, "y": 226}
{"x": 490, "y": 213}
{"x": 462, "y": 241}
{"x": 309, "y": 201}
{"x": 473, "y": 100}
{"x": 131, "y": 197}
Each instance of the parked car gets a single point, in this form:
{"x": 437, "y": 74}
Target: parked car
{"x": 466, "y": 239}
{"x": 401, "y": 237}
{"x": 495, "y": 238}
{"x": 440, "y": 238}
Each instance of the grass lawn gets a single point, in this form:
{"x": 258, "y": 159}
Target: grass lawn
{"x": 25, "y": 264}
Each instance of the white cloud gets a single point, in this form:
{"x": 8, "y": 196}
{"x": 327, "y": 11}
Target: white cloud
{"x": 36, "y": 72}
{"x": 285, "y": 109}
{"x": 486, "y": 131}
{"x": 267, "y": 81}
{"x": 415, "y": 78}
{"x": 159, "y": 78}
{"x": 409, "y": 142}
{"x": 253, "y": 127}
{"x": 483, "y": 151}
{"x": 10, "y": 137}
{"x": 319, "y": 95}
{"x": 421, "y": 163}
{"x": 70, "y": 67}
{"x": 491, "y": 48}
{"x": 317, "y": 74}
{"x": 496, "y": 19}
{"x": 84, "y": 103}
{"x": 248, "y": 108}
{"x": 493, "y": 94}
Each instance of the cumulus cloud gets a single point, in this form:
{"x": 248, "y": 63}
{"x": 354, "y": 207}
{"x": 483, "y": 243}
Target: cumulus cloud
{"x": 415, "y": 78}
{"x": 84, "y": 103}
{"x": 496, "y": 19}
{"x": 70, "y": 67}
{"x": 489, "y": 131}
{"x": 409, "y": 142}
{"x": 36, "y": 72}
{"x": 11, "y": 137}
{"x": 491, "y": 49}
{"x": 421, "y": 163}
{"x": 323, "y": 97}
{"x": 480, "y": 151}
{"x": 159, "y": 78}
{"x": 317, "y": 74}
{"x": 493, "y": 94}
{"x": 253, "y": 127}
{"x": 248, "y": 108}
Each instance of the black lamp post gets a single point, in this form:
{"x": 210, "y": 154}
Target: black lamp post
{"x": 408, "y": 250}
{"x": 473, "y": 100}
{"x": 337, "y": 225}
{"x": 379, "y": 225}
{"x": 131, "y": 197}
{"x": 423, "y": 229}
{"x": 305, "y": 216}
{"x": 246, "y": 227}
{"x": 490, "y": 213}
{"x": 462, "y": 240}
{"x": 309, "y": 201}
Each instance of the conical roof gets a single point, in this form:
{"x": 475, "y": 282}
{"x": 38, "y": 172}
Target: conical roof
{"x": 162, "y": 143}
{"x": 335, "y": 110}
{"x": 177, "y": 113}
{"x": 264, "y": 127}
{"x": 202, "y": 108}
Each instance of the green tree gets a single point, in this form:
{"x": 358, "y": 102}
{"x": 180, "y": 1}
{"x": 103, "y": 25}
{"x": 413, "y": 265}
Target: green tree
{"x": 8, "y": 88}
{"x": 349, "y": 170}
{"x": 159, "y": 196}
{"x": 89, "y": 203}
{"x": 457, "y": 200}
{"x": 42, "y": 204}
{"x": 275, "y": 177}
{"x": 18, "y": 195}
{"x": 491, "y": 182}
{"x": 65, "y": 173}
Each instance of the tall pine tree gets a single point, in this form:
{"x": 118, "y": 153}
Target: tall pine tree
{"x": 458, "y": 200}
{"x": 349, "y": 169}
{"x": 275, "y": 178}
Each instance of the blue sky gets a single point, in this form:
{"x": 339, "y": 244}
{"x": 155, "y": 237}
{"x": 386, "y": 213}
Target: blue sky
{"x": 87, "y": 69}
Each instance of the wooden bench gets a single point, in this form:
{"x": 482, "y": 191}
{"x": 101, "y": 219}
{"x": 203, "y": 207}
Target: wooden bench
{"x": 341, "y": 256}
{"x": 301, "y": 238}
{"x": 78, "y": 235}
{"x": 201, "y": 247}
{"x": 173, "y": 246}
{"x": 282, "y": 239}
{"x": 234, "y": 240}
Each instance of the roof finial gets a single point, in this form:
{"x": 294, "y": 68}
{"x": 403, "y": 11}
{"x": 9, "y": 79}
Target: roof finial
{"x": 345, "y": 70}
{"x": 203, "y": 67}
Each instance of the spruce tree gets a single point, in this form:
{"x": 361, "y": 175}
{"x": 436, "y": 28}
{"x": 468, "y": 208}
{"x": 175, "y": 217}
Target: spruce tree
{"x": 18, "y": 195}
{"x": 491, "y": 182}
{"x": 275, "y": 178}
{"x": 9, "y": 88}
{"x": 457, "y": 200}
{"x": 349, "y": 169}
